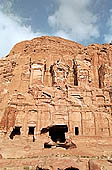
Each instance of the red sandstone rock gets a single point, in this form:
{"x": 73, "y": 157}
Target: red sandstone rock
{"x": 58, "y": 87}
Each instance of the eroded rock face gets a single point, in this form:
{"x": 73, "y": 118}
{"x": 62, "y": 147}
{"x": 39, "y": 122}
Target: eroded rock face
{"x": 56, "y": 81}
{"x": 50, "y": 81}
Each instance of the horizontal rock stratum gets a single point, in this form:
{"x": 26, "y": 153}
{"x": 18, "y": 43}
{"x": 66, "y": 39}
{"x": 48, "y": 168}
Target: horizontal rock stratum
{"x": 56, "y": 95}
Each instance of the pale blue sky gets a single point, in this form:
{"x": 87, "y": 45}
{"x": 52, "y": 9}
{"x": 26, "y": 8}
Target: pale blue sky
{"x": 84, "y": 21}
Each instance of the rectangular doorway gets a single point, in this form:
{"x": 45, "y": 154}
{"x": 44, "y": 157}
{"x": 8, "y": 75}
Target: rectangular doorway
{"x": 76, "y": 131}
{"x": 31, "y": 130}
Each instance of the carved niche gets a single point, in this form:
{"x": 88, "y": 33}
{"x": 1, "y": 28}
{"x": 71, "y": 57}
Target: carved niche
{"x": 37, "y": 73}
{"x": 59, "y": 72}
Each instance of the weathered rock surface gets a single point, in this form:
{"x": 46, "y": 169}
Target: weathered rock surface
{"x": 56, "y": 93}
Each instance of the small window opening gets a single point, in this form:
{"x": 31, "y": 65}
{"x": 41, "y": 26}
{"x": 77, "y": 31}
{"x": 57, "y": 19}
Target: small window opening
{"x": 76, "y": 131}
{"x": 57, "y": 133}
{"x": 31, "y": 131}
{"x": 71, "y": 168}
{"x": 16, "y": 131}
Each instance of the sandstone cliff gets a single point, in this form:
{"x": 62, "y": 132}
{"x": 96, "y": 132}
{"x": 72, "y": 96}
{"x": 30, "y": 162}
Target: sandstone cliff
{"x": 50, "y": 85}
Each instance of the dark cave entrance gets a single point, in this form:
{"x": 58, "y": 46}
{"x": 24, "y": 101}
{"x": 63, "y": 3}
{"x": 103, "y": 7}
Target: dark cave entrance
{"x": 16, "y": 131}
{"x": 57, "y": 133}
{"x": 71, "y": 168}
